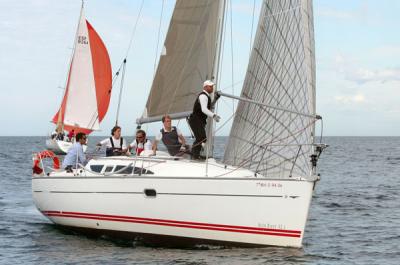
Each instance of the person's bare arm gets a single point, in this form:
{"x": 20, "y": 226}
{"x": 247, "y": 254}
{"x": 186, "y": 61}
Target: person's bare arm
{"x": 154, "y": 147}
{"x": 182, "y": 139}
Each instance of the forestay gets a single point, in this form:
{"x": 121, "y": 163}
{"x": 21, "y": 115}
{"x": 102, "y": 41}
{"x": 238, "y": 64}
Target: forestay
{"x": 186, "y": 61}
{"x": 281, "y": 72}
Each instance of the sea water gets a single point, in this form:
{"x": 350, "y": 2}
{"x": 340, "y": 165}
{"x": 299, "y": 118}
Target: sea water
{"x": 354, "y": 217}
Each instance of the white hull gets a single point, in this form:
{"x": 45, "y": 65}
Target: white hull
{"x": 237, "y": 208}
{"x": 60, "y": 147}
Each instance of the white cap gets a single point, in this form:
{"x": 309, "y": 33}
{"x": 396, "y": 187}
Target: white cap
{"x": 208, "y": 83}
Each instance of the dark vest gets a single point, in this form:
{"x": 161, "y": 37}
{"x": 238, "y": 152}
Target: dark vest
{"x": 197, "y": 113}
{"x": 171, "y": 140}
{"x": 114, "y": 151}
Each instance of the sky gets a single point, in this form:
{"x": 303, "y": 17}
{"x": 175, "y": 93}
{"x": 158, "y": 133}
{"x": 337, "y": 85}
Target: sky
{"x": 357, "y": 45}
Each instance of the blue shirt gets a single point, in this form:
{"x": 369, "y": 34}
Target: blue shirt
{"x": 74, "y": 156}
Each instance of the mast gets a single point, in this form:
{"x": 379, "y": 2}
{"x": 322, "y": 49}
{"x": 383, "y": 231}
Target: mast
{"x": 60, "y": 119}
{"x": 209, "y": 149}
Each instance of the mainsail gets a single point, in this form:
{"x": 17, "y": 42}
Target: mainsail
{"x": 189, "y": 55}
{"x": 88, "y": 90}
{"x": 281, "y": 72}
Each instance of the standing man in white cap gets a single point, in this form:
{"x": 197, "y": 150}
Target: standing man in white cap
{"x": 198, "y": 118}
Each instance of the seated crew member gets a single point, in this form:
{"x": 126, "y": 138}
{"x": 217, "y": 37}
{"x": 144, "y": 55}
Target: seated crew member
{"x": 140, "y": 143}
{"x": 75, "y": 154}
{"x": 171, "y": 137}
{"x": 115, "y": 145}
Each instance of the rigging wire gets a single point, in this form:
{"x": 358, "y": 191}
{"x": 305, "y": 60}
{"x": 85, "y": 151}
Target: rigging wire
{"x": 120, "y": 91}
{"x": 252, "y": 26}
{"x": 220, "y": 66}
{"x": 130, "y": 40}
{"x": 220, "y": 62}
{"x": 123, "y": 64}
{"x": 156, "y": 53}
{"x": 134, "y": 29}
{"x": 232, "y": 70}
{"x": 229, "y": 86}
{"x": 158, "y": 38}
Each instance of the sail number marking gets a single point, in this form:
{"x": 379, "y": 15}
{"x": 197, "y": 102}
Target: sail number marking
{"x": 82, "y": 40}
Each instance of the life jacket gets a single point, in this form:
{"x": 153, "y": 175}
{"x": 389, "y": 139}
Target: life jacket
{"x": 114, "y": 151}
{"x": 171, "y": 140}
{"x": 197, "y": 112}
{"x": 139, "y": 150}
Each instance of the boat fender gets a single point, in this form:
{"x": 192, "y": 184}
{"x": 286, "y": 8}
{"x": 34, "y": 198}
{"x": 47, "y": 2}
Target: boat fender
{"x": 37, "y": 158}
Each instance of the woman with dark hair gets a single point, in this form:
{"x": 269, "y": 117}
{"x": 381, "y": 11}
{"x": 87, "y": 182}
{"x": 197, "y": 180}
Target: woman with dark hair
{"x": 115, "y": 145}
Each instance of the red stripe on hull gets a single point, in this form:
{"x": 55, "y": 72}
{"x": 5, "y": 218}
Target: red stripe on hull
{"x": 172, "y": 223}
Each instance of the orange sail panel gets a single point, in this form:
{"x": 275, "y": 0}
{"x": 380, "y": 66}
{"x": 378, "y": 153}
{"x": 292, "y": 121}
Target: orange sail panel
{"x": 102, "y": 71}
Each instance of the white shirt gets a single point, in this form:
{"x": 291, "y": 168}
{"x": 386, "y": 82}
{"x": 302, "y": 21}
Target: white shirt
{"x": 147, "y": 145}
{"x": 203, "y": 99}
{"x": 159, "y": 135}
{"x": 117, "y": 142}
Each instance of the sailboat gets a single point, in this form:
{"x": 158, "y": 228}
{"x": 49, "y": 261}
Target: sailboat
{"x": 260, "y": 193}
{"x": 88, "y": 88}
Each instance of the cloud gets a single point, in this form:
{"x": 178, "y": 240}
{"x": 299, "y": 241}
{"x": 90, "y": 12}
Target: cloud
{"x": 354, "y": 70}
{"x": 387, "y": 51}
{"x": 337, "y": 14}
{"x": 351, "y": 99}
{"x": 359, "y": 13}
{"x": 363, "y": 75}
{"x": 342, "y": 63}
{"x": 394, "y": 111}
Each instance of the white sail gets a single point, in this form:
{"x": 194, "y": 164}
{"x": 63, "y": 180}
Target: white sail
{"x": 188, "y": 59}
{"x": 281, "y": 72}
{"x": 81, "y": 107}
